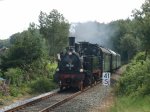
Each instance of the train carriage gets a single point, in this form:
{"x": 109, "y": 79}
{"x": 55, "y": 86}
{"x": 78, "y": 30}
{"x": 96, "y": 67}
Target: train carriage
{"x": 118, "y": 60}
{"x": 113, "y": 60}
{"x": 106, "y": 59}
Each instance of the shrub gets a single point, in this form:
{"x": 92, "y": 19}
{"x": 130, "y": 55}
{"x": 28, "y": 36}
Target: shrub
{"x": 15, "y": 75}
{"x": 41, "y": 68}
{"x": 50, "y": 68}
{"x": 140, "y": 56}
{"x": 42, "y": 85}
{"x": 14, "y": 91}
{"x": 136, "y": 78}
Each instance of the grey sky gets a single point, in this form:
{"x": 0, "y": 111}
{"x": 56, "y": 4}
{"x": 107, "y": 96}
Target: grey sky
{"x": 15, "y": 15}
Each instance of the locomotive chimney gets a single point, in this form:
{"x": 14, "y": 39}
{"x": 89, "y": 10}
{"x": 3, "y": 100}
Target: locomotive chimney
{"x": 72, "y": 42}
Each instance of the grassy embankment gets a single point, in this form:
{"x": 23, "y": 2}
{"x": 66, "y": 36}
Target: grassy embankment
{"x": 133, "y": 89}
{"x": 43, "y": 82}
{"x": 130, "y": 104}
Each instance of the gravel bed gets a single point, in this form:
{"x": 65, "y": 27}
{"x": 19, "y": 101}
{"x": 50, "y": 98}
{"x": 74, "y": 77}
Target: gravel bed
{"x": 86, "y": 101}
{"x": 45, "y": 103}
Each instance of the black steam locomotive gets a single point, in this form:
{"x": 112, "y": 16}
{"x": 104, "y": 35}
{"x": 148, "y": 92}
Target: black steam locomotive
{"x": 83, "y": 64}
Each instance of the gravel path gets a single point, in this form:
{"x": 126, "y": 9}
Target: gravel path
{"x": 45, "y": 103}
{"x": 87, "y": 101}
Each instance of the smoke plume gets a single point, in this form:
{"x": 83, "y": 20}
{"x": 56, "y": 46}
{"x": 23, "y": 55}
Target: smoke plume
{"x": 93, "y": 32}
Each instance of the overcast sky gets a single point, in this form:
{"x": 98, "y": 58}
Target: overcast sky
{"x": 15, "y": 15}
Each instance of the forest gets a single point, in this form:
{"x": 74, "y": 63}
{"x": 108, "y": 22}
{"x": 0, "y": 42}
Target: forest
{"x": 28, "y": 58}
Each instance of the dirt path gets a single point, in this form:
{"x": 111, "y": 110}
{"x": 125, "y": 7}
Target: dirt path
{"x": 108, "y": 102}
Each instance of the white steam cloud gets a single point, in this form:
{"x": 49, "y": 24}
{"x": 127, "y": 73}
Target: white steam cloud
{"x": 93, "y": 32}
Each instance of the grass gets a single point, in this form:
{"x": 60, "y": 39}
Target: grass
{"x": 34, "y": 88}
{"x": 131, "y": 104}
{"x": 40, "y": 81}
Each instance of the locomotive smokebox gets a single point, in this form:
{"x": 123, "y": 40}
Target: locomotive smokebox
{"x": 72, "y": 42}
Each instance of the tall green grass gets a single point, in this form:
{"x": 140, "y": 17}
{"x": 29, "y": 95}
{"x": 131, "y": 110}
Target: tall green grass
{"x": 130, "y": 104}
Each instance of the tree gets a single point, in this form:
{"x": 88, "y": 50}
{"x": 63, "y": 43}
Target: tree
{"x": 55, "y": 29}
{"x": 129, "y": 46}
{"x": 4, "y": 43}
{"x": 120, "y": 28}
{"x": 14, "y": 38}
{"x": 125, "y": 38}
{"x": 26, "y": 47}
{"x": 143, "y": 24}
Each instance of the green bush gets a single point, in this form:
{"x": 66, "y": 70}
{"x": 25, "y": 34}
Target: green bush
{"x": 50, "y": 68}
{"x": 140, "y": 56}
{"x": 24, "y": 89}
{"x": 42, "y": 85}
{"x": 136, "y": 78}
{"x": 21, "y": 90}
{"x": 15, "y": 75}
{"x": 41, "y": 68}
{"x": 14, "y": 91}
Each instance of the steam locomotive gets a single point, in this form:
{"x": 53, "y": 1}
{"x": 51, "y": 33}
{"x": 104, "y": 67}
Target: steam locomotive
{"x": 83, "y": 63}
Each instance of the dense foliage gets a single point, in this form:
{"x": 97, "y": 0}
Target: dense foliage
{"x": 143, "y": 24}
{"x": 26, "y": 48}
{"x": 136, "y": 78}
{"x": 4, "y": 43}
{"x": 133, "y": 88}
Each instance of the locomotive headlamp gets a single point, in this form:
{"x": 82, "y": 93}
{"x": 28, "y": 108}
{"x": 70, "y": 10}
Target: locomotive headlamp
{"x": 58, "y": 57}
{"x": 70, "y": 53}
{"x": 81, "y": 70}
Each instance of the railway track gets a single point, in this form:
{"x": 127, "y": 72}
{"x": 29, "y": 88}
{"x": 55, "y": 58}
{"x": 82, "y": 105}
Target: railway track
{"x": 47, "y": 102}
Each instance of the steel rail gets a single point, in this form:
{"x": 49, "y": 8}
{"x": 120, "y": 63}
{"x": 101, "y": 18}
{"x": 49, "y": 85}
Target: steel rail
{"x": 47, "y": 109}
{"x": 31, "y": 102}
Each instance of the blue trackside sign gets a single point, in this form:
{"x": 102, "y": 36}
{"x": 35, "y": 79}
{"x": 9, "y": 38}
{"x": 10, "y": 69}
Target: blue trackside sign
{"x": 106, "y": 78}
